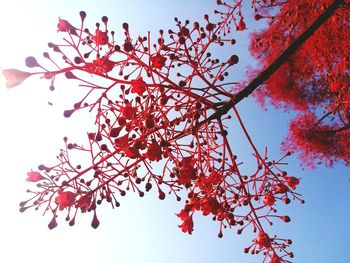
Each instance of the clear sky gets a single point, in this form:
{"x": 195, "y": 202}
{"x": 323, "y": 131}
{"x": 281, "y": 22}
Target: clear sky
{"x": 141, "y": 230}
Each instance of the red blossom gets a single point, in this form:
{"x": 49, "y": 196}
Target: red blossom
{"x": 132, "y": 152}
{"x": 100, "y": 65}
{"x": 84, "y": 203}
{"x": 154, "y": 151}
{"x": 15, "y": 77}
{"x": 187, "y": 171}
{"x": 292, "y": 181}
{"x": 158, "y": 61}
{"x": 128, "y": 111}
{"x": 207, "y": 183}
{"x": 187, "y": 224}
{"x": 100, "y": 37}
{"x": 214, "y": 178}
{"x": 241, "y": 25}
{"x": 34, "y": 177}
{"x": 193, "y": 204}
{"x": 64, "y": 26}
{"x": 138, "y": 86}
{"x": 183, "y": 214}
{"x": 122, "y": 142}
{"x": 210, "y": 205}
{"x": 335, "y": 86}
{"x": 65, "y": 199}
{"x": 269, "y": 199}
{"x": 263, "y": 240}
{"x": 281, "y": 189}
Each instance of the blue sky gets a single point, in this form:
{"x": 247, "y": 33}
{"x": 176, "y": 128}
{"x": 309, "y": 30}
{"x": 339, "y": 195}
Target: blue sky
{"x": 141, "y": 230}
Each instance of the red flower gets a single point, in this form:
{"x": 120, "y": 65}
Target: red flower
{"x": 65, "y": 199}
{"x": 154, "y": 152}
{"x": 292, "y": 181}
{"x": 269, "y": 199}
{"x": 100, "y": 38}
{"x": 158, "y": 61}
{"x": 132, "y": 152}
{"x": 187, "y": 224}
{"x": 138, "y": 86}
{"x": 183, "y": 214}
{"x": 122, "y": 142}
{"x": 214, "y": 178}
{"x": 128, "y": 111}
{"x": 15, "y": 77}
{"x": 34, "y": 177}
{"x": 241, "y": 25}
{"x": 100, "y": 66}
{"x": 263, "y": 240}
{"x": 335, "y": 86}
{"x": 64, "y": 26}
{"x": 84, "y": 203}
{"x": 207, "y": 183}
{"x": 193, "y": 204}
{"x": 210, "y": 205}
{"x": 187, "y": 171}
{"x": 281, "y": 189}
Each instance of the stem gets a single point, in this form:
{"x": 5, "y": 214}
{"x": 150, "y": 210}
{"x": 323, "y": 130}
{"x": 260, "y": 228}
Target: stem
{"x": 246, "y": 192}
{"x": 103, "y": 159}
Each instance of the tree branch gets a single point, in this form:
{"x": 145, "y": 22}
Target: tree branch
{"x": 286, "y": 54}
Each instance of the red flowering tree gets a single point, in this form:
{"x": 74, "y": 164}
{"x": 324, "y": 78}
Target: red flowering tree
{"x": 162, "y": 112}
{"x": 314, "y": 81}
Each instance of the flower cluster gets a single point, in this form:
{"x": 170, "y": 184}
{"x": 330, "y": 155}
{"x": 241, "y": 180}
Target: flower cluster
{"x": 155, "y": 129}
